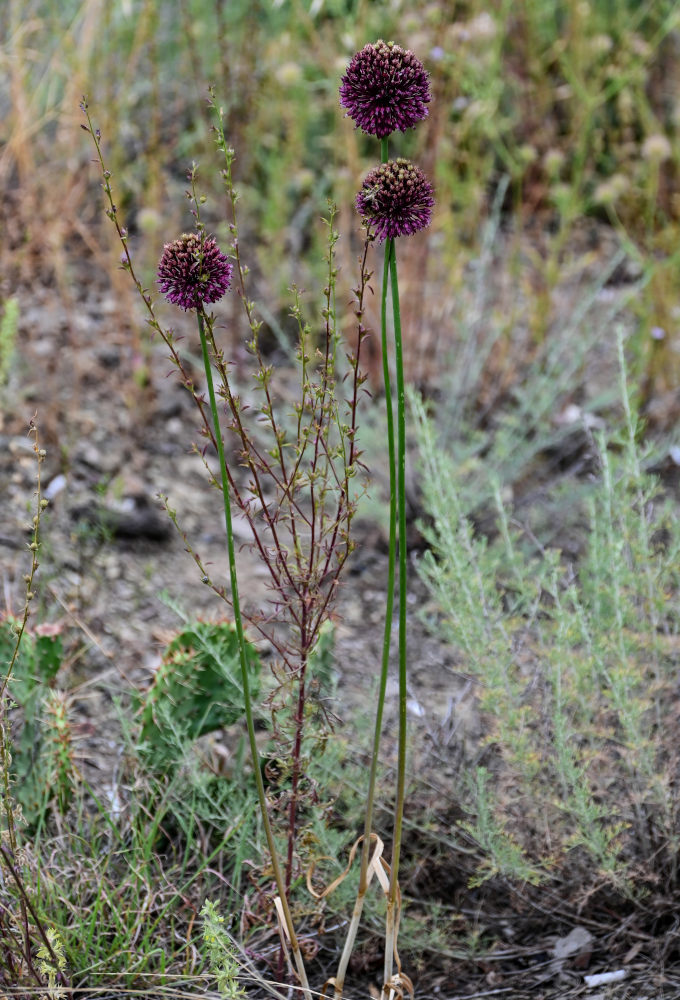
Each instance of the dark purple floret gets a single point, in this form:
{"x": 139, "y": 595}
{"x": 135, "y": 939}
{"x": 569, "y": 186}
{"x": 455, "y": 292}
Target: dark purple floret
{"x": 397, "y": 199}
{"x": 191, "y": 273}
{"x": 385, "y": 88}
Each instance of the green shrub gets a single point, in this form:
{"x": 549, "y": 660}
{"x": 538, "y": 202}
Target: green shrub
{"x": 43, "y": 772}
{"x": 574, "y": 665}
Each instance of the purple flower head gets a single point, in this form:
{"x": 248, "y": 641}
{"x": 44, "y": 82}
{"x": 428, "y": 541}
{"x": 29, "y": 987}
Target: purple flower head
{"x": 396, "y": 198}
{"x": 191, "y": 272}
{"x": 385, "y": 88}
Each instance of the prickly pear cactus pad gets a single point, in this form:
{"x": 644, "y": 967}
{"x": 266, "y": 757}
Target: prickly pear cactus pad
{"x": 196, "y": 689}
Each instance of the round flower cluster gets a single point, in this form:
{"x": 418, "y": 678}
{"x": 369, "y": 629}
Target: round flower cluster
{"x": 191, "y": 271}
{"x": 396, "y": 198}
{"x": 385, "y": 88}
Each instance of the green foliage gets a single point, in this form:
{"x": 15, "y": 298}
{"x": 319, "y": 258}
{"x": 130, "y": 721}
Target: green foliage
{"x": 574, "y": 666}
{"x": 123, "y": 886}
{"x": 196, "y": 689}
{"x": 568, "y": 101}
{"x": 501, "y": 853}
{"x": 42, "y": 773}
{"x": 121, "y": 911}
{"x": 51, "y": 963}
{"x": 222, "y": 952}
{"x": 8, "y": 333}
{"x": 41, "y": 655}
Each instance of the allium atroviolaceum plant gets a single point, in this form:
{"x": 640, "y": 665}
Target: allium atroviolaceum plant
{"x": 396, "y": 198}
{"x": 193, "y": 271}
{"x": 385, "y": 89}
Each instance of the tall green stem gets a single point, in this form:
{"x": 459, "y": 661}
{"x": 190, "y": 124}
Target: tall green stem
{"x": 392, "y": 902}
{"x": 391, "y": 560}
{"x": 391, "y": 565}
{"x": 403, "y": 569}
{"x": 278, "y": 875}
{"x": 387, "y": 633}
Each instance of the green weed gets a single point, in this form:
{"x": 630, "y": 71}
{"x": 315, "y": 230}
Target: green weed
{"x": 573, "y": 664}
{"x": 43, "y": 771}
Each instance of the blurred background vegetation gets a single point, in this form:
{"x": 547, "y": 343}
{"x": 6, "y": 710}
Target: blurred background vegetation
{"x": 573, "y": 106}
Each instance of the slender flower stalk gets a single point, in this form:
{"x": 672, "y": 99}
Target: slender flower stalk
{"x": 193, "y": 271}
{"x": 393, "y": 900}
{"x": 204, "y": 321}
{"x": 387, "y": 632}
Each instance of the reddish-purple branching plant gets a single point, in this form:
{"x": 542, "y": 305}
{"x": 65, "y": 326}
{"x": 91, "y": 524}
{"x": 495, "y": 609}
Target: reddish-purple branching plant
{"x": 298, "y": 495}
{"x": 310, "y": 465}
